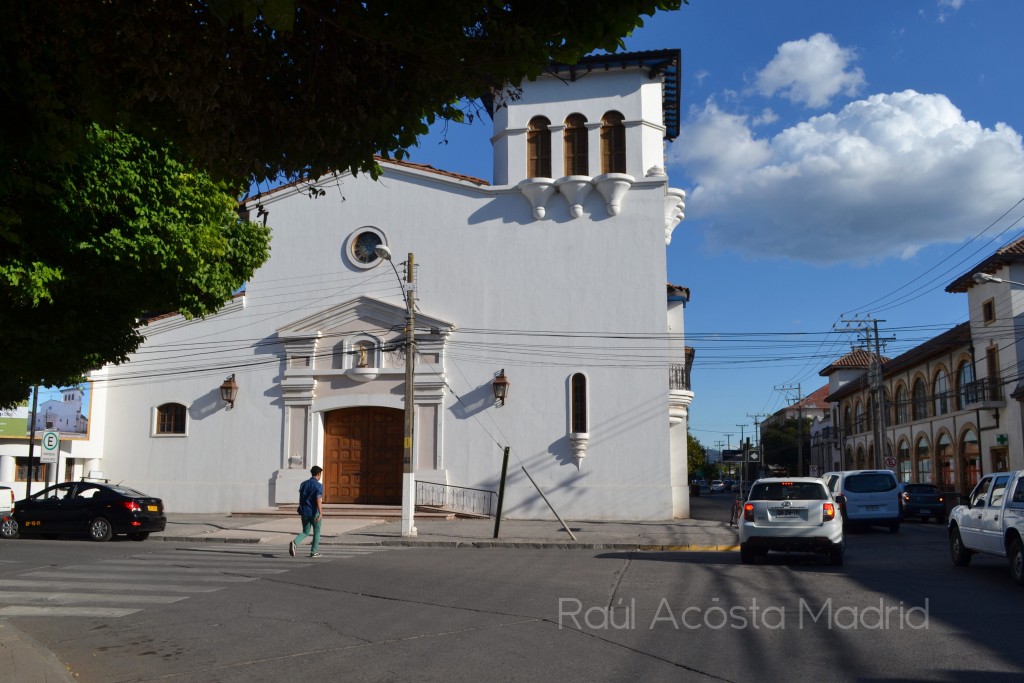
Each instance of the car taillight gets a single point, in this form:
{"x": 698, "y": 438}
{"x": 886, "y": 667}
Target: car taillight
{"x": 941, "y": 499}
{"x": 906, "y": 496}
{"x": 828, "y": 511}
{"x": 131, "y": 506}
{"x": 748, "y": 512}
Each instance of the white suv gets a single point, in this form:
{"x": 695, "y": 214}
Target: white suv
{"x": 795, "y": 514}
{"x": 867, "y": 496}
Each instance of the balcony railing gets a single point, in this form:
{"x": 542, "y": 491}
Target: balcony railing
{"x": 456, "y": 498}
{"x": 678, "y": 377}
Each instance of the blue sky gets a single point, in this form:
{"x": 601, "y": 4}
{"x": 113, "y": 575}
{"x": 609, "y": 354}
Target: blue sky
{"x": 842, "y": 160}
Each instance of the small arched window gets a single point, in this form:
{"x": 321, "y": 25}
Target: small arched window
{"x": 613, "y": 143}
{"x": 576, "y": 148}
{"x": 538, "y": 148}
{"x": 170, "y": 419}
{"x": 923, "y": 458}
{"x": 902, "y": 407}
{"x": 860, "y": 418}
{"x": 965, "y": 387}
{"x": 941, "y": 392}
{"x": 920, "y": 404}
{"x": 578, "y": 417}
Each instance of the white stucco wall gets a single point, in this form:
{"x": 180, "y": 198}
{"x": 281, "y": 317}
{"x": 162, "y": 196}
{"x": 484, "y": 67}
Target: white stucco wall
{"x": 540, "y": 298}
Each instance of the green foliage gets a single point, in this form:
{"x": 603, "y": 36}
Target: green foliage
{"x": 256, "y": 89}
{"x": 696, "y": 456}
{"x": 98, "y": 228}
{"x": 779, "y": 444}
{"x": 127, "y": 230}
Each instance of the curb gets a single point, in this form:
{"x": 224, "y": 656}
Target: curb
{"x": 528, "y": 545}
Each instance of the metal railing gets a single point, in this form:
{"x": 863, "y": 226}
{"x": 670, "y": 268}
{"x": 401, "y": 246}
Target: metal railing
{"x": 456, "y": 498}
{"x": 678, "y": 377}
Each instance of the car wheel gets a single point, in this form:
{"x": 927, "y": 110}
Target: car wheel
{"x": 100, "y": 530}
{"x": 139, "y": 535}
{"x": 961, "y": 555}
{"x": 894, "y": 527}
{"x": 746, "y": 554}
{"x": 835, "y": 556}
{"x": 9, "y": 528}
{"x": 1017, "y": 561}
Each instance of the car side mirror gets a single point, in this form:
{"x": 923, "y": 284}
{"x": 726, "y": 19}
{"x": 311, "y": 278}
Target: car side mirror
{"x": 964, "y": 500}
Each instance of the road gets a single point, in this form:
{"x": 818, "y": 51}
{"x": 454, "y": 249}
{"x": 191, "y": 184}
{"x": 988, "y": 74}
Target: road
{"x": 897, "y": 610}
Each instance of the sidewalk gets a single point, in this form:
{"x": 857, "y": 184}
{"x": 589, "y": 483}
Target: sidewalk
{"x": 679, "y": 535}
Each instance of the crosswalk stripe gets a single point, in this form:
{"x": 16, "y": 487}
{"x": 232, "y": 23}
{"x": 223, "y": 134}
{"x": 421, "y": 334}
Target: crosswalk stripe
{"x": 147, "y": 579}
{"x": 142, "y": 567}
{"x": 66, "y": 598}
{"x": 36, "y": 611}
{"x": 86, "y": 575}
{"x": 112, "y": 586}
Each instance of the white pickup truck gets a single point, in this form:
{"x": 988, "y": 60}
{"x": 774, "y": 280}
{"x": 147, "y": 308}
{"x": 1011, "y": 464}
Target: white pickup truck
{"x": 991, "y": 520}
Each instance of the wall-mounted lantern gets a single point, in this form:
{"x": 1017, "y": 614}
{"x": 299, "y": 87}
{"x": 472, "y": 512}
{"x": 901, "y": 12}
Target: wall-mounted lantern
{"x": 500, "y": 385}
{"x": 229, "y": 391}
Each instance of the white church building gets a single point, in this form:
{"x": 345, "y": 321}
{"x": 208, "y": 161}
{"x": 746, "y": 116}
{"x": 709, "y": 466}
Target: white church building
{"x": 550, "y": 280}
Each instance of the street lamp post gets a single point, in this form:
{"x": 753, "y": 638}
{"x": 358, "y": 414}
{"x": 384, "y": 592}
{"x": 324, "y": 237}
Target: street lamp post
{"x": 982, "y": 278}
{"x": 408, "y": 473}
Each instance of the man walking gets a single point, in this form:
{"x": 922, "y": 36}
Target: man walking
{"x": 311, "y": 493}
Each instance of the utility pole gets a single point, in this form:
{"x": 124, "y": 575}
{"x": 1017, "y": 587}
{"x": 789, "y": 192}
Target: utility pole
{"x": 408, "y": 472}
{"x": 756, "y": 417}
{"x": 799, "y": 427}
{"x": 877, "y": 383}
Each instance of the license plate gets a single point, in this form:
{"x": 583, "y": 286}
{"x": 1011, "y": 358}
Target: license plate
{"x": 925, "y": 511}
{"x": 872, "y": 508}
{"x": 152, "y": 508}
{"x": 786, "y": 513}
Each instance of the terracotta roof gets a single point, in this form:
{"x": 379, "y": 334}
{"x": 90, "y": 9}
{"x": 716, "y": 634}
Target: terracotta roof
{"x": 949, "y": 340}
{"x": 430, "y": 169}
{"x": 815, "y": 400}
{"x": 380, "y": 160}
{"x": 856, "y": 359}
{"x": 1011, "y": 253}
{"x": 678, "y": 291}
{"x": 667, "y": 63}
{"x": 936, "y": 346}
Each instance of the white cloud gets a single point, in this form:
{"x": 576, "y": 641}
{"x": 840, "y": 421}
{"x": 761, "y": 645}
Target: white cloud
{"x": 878, "y": 179}
{"x": 811, "y": 71}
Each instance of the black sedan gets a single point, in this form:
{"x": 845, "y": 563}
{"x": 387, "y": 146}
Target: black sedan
{"x": 80, "y": 507}
{"x": 923, "y": 501}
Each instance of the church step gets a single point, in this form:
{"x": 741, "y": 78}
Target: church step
{"x": 345, "y": 511}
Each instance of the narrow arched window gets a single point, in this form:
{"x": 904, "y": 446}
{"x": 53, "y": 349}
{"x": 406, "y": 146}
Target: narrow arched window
{"x": 902, "y": 407}
{"x": 965, "y": 389}
{"x": 170, "y": 419}
{"x": 920, "y": 401}
{"x": 941, "y": 392}
{"x": 538, "y": 148}
{"x": 578, "y": 417}
{"x": 613, "y": 143}
{"x": 575, "y": 137}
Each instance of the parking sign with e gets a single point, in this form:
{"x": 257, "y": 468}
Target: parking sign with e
{"x": 51, "y": 447}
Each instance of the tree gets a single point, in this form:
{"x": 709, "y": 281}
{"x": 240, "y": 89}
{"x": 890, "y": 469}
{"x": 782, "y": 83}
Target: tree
{"x": 779, "y": 444}
{"x": 236, "y": 91}
{"x": 131, "y": 231}
{"x": 253, "y": 89}
{"x": 696, "y": 456}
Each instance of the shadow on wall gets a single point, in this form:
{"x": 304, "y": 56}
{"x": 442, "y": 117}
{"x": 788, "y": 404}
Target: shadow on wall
{"x": 473, "y": 402}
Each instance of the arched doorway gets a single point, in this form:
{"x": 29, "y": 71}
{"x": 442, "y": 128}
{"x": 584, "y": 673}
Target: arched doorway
{"x": 363, "y": 456}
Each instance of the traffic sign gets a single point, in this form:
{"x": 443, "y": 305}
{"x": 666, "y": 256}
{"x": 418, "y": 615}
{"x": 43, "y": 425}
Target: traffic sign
{"x": 890, "y": 462}
{"x": 51, "y": 447}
